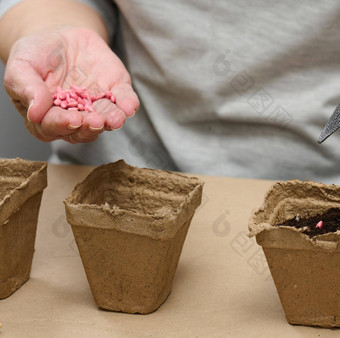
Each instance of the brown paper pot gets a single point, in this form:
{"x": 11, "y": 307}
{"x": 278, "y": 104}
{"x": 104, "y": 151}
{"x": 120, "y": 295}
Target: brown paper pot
{"x": 306, "y": 271}
{"x": 21, "y": 187}
{"x": 130, "y": 225}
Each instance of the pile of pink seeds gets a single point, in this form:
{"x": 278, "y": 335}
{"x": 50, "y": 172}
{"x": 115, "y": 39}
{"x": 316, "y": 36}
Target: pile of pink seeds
{"x": 78, "y": 98}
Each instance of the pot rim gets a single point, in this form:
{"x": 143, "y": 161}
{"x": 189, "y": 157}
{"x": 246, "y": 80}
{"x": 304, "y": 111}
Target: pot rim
{"x": 290, "y": 195}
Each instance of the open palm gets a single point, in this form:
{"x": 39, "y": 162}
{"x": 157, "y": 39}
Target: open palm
{"x": 38, "y": 64}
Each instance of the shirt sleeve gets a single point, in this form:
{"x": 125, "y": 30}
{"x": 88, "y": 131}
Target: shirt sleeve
{"x": 105, "y": 8}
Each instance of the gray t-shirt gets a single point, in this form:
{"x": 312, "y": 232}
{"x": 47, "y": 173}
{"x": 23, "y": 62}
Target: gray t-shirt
{"x": 230, "y": 88}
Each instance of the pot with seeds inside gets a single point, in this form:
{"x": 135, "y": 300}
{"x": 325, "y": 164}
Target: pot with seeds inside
{"x": 298, "y": 227}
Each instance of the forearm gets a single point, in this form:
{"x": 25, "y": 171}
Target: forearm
{"x": 33, "y": 16}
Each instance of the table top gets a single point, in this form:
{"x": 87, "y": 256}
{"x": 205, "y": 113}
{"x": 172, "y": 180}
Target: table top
{"x": 222, "y": 287}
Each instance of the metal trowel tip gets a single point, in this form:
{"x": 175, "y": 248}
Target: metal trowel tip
{"x": 332, "y": 125}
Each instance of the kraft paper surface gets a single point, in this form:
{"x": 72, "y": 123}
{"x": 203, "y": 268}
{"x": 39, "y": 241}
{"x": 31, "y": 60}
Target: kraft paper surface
{"x": 222, "y": 287}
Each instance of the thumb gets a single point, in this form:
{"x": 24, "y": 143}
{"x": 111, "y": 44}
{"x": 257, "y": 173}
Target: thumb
{"x": 24, "y": 84}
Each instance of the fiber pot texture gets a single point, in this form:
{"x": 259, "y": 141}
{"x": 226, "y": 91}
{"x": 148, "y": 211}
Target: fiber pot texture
{"x": 306, "y": 271}
{"x": 21, "y": 187}
{"x": 130, "y": 225}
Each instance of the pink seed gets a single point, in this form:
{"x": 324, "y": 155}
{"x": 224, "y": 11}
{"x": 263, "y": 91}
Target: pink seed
{"x": 81, "y": 101}
{"x": 72, "y": 104}
{"x": 78, "y": 98}
{"x": 319, "y": 225}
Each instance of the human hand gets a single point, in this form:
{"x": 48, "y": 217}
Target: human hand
{"x": 39, "y": 63}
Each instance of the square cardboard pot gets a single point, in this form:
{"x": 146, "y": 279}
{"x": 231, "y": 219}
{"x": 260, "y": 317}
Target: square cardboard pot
{"x": 306, "y": 271}
{"x": 130, "y": 225}
{"x": 21, "y": 187}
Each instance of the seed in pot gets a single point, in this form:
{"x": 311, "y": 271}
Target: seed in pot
{"x": 319, "y": 225}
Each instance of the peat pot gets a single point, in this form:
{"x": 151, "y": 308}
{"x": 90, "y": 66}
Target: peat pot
{"x": 21, "y": 188}
{"x": 130, "y": 225}
{"x": 306, "y": 270}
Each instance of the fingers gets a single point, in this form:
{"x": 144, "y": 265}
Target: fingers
{"x": 126, "y": 105}
{"x": 61, "y": 122}
{"x": 126, "y": 99}
{"x": 93, "y": 125}
{"x": 73, "y": 139}
{"x": 71, "y": 125}
{"x": 47, "y": 123}
{"x": 74, "y": 126}
{"x": 26, "y": 86}
{"x": 114, "y": 117}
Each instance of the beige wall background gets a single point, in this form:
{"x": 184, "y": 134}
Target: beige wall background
{"x": 15, "y": 140}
